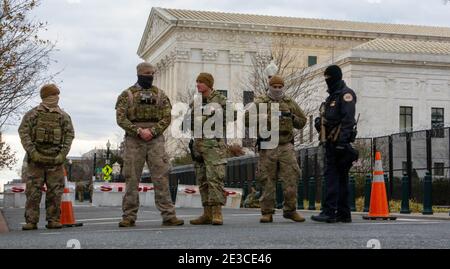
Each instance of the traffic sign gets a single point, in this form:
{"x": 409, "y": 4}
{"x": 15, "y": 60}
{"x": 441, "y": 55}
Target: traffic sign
{"x": 107, "y": 170}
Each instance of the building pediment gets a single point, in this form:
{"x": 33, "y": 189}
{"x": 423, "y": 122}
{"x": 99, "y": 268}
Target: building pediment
{"x": 158, "y": 23}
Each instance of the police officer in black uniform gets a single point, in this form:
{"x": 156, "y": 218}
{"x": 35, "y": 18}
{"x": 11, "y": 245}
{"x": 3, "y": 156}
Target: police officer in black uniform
{"x": 340, "y": 131}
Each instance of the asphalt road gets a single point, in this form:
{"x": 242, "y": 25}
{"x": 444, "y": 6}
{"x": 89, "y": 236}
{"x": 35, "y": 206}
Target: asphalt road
{"x": 241, "y": 229}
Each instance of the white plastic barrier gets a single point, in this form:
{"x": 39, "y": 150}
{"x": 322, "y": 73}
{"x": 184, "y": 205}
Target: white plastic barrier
{"x": 14, "y": 195}
{"x": 233, "y": 197}
{"x": 111, "y": 194}
{"x": 188, "y": 196}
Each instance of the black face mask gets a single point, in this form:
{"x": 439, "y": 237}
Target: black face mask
{"x": 145, "y": 82}
{"x": 335, "y": 75}
{"x": 331, "y": 82}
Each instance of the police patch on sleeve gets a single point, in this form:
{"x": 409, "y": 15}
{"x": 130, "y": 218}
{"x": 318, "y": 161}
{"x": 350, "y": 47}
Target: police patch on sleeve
{"x": 348, "y": 97}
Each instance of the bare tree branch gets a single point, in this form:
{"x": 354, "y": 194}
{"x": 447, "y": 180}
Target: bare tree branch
{"x": 298, "y": 82}
{"x": 24, "y": 57}
{"x": 7, "y": 159}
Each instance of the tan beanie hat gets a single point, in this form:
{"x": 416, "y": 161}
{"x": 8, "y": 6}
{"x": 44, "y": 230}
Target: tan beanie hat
{"x": 276, "y": 80}
{"x": 207, "y": 79}
{"x": 48, "y": 90}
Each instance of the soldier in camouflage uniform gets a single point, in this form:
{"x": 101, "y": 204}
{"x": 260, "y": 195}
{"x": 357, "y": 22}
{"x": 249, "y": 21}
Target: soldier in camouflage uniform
{"x": 46, "y": 133}
{"x": 144, "y": 112}
{"x": 252, "y": 199}
{"x": 283, "y": 155}
{"x": 80, "y": 190}
{"x": 209, "y": 155}
{"x": 91, "y": 189}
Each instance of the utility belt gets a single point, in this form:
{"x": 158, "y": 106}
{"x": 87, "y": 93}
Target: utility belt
{"x": 259, "y": 140}
{"x": 196, "y": 156}
{"x": 145, "y": 124}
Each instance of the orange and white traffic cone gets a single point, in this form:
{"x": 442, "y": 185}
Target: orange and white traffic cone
{"x": 67, "y": 216}
{"x": 379, "y": 208}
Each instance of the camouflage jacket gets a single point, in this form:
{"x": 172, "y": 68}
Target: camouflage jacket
{"x": 214, "y": 97}
{"x": 136, "y": 105}
{"x": 292, "y": 116}
{"x": 49, "y": 131}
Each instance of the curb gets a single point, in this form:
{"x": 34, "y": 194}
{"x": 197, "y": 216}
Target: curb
{"x": 398, "y": 215}
{"x": 3, "y": 224}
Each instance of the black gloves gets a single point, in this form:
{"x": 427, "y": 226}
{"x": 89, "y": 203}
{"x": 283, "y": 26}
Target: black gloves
{"x": 317, "y": 124}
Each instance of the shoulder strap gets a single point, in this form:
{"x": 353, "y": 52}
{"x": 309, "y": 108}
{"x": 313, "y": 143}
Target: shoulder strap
{"x": 158, "y": 97}
{"x": 130, "y": 98}
{"x": 130, "y": 110}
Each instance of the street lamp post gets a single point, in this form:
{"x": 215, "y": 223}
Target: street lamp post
{"x": 108, "y": 145}
{"x": 95, "y": 164}
{"x": 70, "y": 169}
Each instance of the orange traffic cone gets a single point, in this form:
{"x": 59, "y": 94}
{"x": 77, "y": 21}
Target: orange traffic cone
{"x": 379, "y": 208}
{"x": 67, "y": 217}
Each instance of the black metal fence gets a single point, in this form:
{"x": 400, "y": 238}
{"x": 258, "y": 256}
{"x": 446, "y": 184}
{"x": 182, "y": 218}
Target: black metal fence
{"x": 412, "y": 154}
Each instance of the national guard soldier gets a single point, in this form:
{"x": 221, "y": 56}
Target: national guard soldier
{"x": 144, "y": 112}
{"x": 252, "y": 199}
{"x": 91, "y": 189}
{"x": 46, "y": 133}
{"x": 282, "y": 156}
{"x": 209, "y": 155}
{"x": 80, "y": 190}
{"x": 337, "y": 129}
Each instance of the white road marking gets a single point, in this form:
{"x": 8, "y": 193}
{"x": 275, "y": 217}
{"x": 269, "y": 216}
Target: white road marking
{"x": 115, "y": 222}
{"x": 121, "y": 231}
{"x": 412, "y": 220}
{"x": 180, "y": 216}
{"x": 393, "y": 222}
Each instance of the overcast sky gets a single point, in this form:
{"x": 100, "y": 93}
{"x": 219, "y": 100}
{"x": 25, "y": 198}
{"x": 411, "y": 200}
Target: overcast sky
{"x": 97, "y": 42}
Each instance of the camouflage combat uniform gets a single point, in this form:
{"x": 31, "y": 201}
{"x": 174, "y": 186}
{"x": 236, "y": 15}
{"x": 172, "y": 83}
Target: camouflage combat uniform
{"x": 45, "y": 134}
{"x": 91, "y": 190}
{"x": 282, "y": 157}
{"x": 145, "y": 108}
{"x": 210, "y": 158}
{"x": 80, "y": 190}
{"x": 252, "y": 200}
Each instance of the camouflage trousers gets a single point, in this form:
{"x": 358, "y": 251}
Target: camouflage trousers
{"x": 289, "y": 173}
{"x": 251, "y": 201}
{"x": 210, "y": 170}
{"x": 36, "y": 176}
{"x": 81, "y": 196}
{"x": 91, "y": 192}
{"x": 80, "y": 193}
{"x": 137, "y": 152}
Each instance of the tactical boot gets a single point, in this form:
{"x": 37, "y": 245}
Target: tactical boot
{"x": 266, "y": 218}
{"x": 343, "y": 218}
{"x": 173, "y": 222}
{"x": 53, "y": 225}
{"x": 127, "y": 223}
{"x": 217, "y": 215}
{"x": 206, "y": 218}
{"x": 29, "y": 226}
{"x": 295, "y": 216}
{"x": 322, "y": 217}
